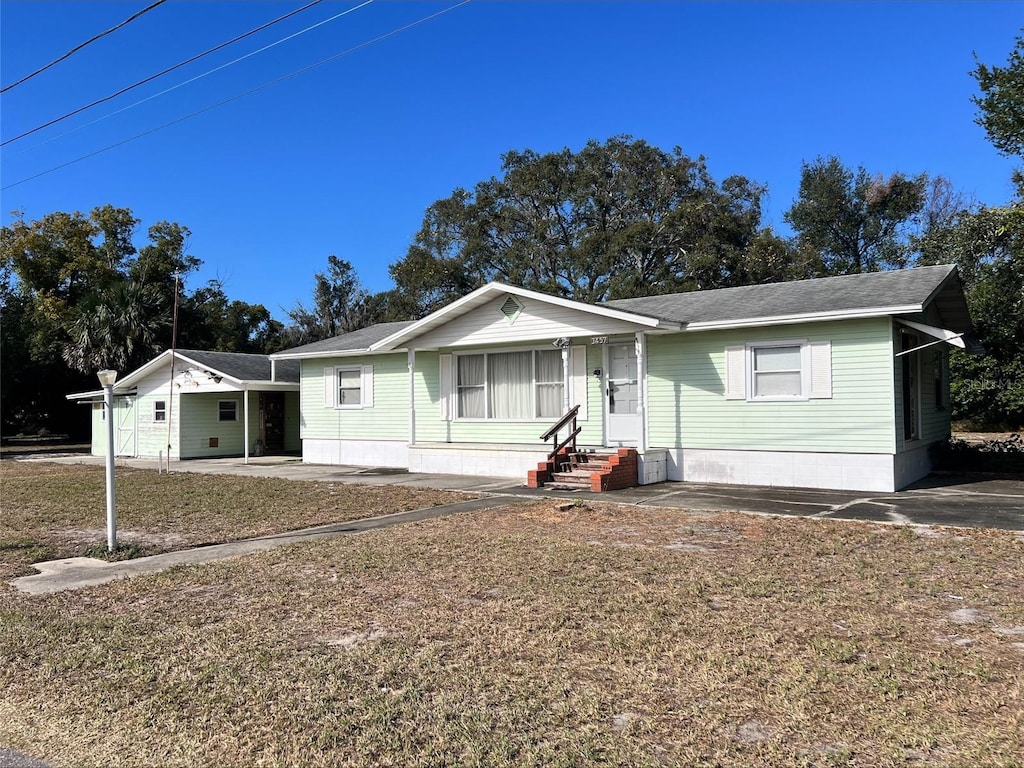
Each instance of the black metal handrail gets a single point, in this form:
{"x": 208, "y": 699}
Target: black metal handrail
{"x": 569, "y": 419}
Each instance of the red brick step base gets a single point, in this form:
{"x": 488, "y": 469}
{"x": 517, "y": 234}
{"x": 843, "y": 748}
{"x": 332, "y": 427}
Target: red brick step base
{"x": 595, "y": 472}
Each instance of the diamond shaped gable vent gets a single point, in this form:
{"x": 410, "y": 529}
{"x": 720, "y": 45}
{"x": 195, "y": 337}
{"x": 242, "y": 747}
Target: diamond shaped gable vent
{"x": 511, "y": 308}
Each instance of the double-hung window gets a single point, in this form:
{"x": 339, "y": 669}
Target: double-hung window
{"x": 160, "y": 410}
{"x": 472, "y": 387}
{"x": 227, "y": 410}
{"x": 510, "y": 386}
{"x": 774, "y": 371}
{"x": 350, "y": 387}
{"x": 550, "y": 383}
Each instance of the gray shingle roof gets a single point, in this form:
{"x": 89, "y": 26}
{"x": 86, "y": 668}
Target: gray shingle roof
{"x": 868, "y": 292}
{"x": 350, "y": 342}
{"x": 862, "y": 292}
{"x": 244, "y": 367}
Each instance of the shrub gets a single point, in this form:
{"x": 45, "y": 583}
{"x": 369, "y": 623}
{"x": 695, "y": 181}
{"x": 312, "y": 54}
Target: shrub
{"x": 999, "y": 455}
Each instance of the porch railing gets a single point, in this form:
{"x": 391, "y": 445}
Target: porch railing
{"x": 568, "y": 420}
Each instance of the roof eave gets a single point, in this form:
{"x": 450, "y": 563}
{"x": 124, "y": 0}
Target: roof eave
{"x": 323, "y": 353}
{"x": 97, "y": 393}
{"x": 808, "y": 317}
{"x": 482, "y": 295}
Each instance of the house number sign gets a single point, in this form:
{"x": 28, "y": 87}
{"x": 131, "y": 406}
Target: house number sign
{"x": 598, "y": 339}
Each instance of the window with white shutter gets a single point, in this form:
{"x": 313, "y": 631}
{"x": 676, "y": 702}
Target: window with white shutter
{"x": 778, "y": 371}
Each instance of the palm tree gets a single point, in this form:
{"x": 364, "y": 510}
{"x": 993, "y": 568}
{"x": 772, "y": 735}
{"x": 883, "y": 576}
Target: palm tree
{"x": 120, "y": 330}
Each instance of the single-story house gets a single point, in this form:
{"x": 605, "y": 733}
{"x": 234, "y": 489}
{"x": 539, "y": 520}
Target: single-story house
{"x": 187, "y": 404}
{"x": 837, "y": 382}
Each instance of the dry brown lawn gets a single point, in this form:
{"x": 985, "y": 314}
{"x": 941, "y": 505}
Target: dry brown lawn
{"x": 49, "y": 511}
{"x": 531, "y": 636}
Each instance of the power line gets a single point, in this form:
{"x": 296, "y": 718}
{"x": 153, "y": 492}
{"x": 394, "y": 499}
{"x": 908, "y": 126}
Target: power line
{"x": 151, "y": 78}
{"x": 297, "y": 72}
{"x": 77, "y": 48}
{"x": 197, "y": 77}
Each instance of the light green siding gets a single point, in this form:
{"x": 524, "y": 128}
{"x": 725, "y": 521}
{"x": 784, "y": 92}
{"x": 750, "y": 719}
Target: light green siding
{"x": 199, "y": 414}
{"x": 688, "y": 408}
{"x": 387, "y": 419}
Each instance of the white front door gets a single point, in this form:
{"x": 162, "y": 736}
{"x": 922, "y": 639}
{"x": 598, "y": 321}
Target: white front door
{"x": 622, "y": 395}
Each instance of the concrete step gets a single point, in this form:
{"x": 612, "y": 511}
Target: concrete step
{"x": 592, "y": 458}
{"x": 592, "y": 465}
{"x": 566, "y": 487}
{"x": 576, "y": 478}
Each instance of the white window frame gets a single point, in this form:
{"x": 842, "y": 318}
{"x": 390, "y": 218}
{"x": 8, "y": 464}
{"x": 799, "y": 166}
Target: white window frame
{"x": 356, "y": 369}
{"x": 805, "y": 371}
{"x": 332, "y": 386}
{"x": 160, "y": 414}
{"x": 534, "y": 384}
{"x": 220, "y": 411}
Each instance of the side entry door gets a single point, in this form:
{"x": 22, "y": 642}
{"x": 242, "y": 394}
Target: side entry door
{"x": 622, "y": 395}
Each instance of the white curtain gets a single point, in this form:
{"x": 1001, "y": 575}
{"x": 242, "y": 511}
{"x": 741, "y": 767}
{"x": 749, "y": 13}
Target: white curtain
{"x": 471, "y": 386}
{"x": 550, "y": 397}
{"x": 510, "y": 385}
{"x": 777, "y": 372}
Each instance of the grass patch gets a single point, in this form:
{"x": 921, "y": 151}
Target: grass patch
{"x": 535, "y": 635}
{"x": 52, "y": 511}
{"x": 122, "y": 551}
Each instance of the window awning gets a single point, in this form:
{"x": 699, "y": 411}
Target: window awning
{"x": 943, "y": 335}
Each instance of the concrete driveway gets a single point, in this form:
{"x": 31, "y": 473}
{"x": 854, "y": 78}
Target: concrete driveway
{"x": 959, "y": 500}
{"x": 940, "y": 500}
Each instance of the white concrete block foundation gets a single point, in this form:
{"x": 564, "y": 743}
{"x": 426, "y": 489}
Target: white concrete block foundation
{"x": 835, "y": 471}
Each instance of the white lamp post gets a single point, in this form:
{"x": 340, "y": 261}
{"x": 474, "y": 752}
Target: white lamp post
{"x": 107, "y": 379}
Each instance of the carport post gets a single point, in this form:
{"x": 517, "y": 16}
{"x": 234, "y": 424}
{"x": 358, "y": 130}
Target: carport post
{"x": 107, "y": 379}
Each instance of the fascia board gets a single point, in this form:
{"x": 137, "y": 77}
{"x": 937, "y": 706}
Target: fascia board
{"x": 161, "y": 359}
{"x": 481, "y": 295}
{"x": 144, "y": 370}
{"x": 254, "y": 384}
{"x": 939, "y": 288}
{"x": 96, "y": 393}
{"x": 331, "y": 353}
{"x": 809, "y": 317}
{"x": 456, "y": 307}
{"x": 615, "y": 314}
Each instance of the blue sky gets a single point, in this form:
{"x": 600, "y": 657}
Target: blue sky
{"x": 345, "y": 158}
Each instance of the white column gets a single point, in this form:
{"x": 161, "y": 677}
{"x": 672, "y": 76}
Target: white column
{"x": 245, "y": 427}
{"x": 412, "y": 395}
{"x": 566, "y": 378}
{"x": 641, "y": 374}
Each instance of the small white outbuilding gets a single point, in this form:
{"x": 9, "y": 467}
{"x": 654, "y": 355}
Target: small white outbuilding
{"x": 187, "y": 404}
